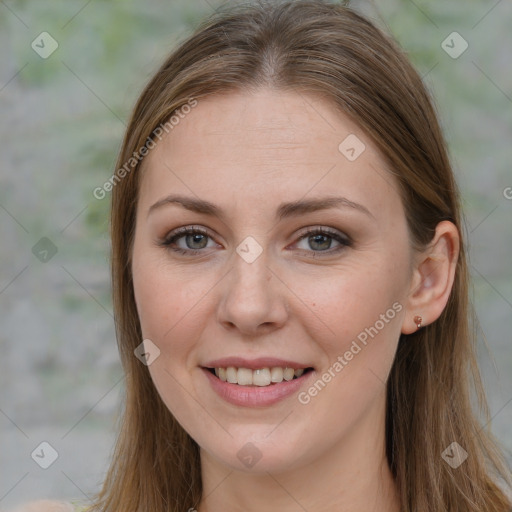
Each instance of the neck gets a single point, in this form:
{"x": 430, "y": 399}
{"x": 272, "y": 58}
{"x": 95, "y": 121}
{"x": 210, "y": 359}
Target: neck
{"x": 352, "y": 476}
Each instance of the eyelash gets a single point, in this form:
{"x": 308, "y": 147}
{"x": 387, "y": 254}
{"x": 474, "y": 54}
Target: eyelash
{"x": 191, "y": 230}
{"x": 180, "y": 233}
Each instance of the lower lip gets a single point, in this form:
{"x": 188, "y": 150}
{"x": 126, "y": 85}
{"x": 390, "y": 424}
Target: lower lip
{"x": 256, "y": 396}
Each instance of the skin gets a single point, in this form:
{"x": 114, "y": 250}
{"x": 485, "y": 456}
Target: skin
{"x": 247, "y": 153}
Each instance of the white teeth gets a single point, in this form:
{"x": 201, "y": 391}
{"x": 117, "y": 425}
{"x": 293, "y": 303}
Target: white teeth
{"x": 261, "y": 377}
{"x": 244, "y": 377}
{"x": 276, "y": 374}
{"x": 288, "y": 373}
{"x": 231, "y": 375}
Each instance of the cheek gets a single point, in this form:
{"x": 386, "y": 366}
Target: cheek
{"x": 165, "y": 297}
{"x": 347, "y": 303}
{"x": 360, "y": 310}
{"x": 171, "y": 314}
{"x": 364, "y": 311}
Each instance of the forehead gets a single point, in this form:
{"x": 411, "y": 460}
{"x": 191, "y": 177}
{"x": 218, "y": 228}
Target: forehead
{"x": 268, "y": 146}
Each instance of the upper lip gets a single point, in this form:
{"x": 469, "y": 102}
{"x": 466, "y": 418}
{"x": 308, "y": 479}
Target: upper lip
{"x": 255, "y": 364}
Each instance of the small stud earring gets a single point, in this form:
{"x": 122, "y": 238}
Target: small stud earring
{"x": 417, "y": 321}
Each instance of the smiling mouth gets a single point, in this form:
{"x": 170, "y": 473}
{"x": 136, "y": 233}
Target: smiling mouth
{"x": 257, "y": 378}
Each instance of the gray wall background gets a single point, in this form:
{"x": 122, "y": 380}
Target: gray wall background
{"x": 62, "y": 119}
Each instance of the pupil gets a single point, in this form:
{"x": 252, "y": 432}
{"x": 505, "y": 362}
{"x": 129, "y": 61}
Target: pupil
{"x": 320, "y": 238}
{"x": 196, "y": 238}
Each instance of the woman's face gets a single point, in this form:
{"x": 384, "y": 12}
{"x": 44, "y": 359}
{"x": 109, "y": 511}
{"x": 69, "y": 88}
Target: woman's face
{"x": 273, "y": 277}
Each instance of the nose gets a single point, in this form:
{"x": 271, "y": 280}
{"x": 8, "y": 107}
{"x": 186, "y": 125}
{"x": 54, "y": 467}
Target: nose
{"x": 254, "y": 299}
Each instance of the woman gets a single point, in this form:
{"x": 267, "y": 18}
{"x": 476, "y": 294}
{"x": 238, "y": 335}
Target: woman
{"x": 290, "y": 281}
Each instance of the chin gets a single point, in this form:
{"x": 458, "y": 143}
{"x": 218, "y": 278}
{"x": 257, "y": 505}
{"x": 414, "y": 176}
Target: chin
{"x": 256, "y": 454}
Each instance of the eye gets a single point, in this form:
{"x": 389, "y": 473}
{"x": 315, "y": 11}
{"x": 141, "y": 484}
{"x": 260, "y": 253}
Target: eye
{"x": 188, "y": 240}
{"x": 192, "y": 240}
{"x": 321, "y": 240}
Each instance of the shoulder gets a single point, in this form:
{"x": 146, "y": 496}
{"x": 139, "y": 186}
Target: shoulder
{"x": 49, "y": 506}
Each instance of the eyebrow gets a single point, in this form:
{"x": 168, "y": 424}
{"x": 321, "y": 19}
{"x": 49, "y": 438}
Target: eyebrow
{"x": 285, "y": 210}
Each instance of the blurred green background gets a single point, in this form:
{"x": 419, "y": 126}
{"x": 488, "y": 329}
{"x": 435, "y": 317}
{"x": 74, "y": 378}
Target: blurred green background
{"x": 62, "y": 120}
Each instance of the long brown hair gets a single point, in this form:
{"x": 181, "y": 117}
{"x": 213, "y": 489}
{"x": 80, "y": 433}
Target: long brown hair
{"x": 329, "y": 50}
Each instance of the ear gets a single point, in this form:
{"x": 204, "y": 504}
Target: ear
{"x": 432, "y": 277}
